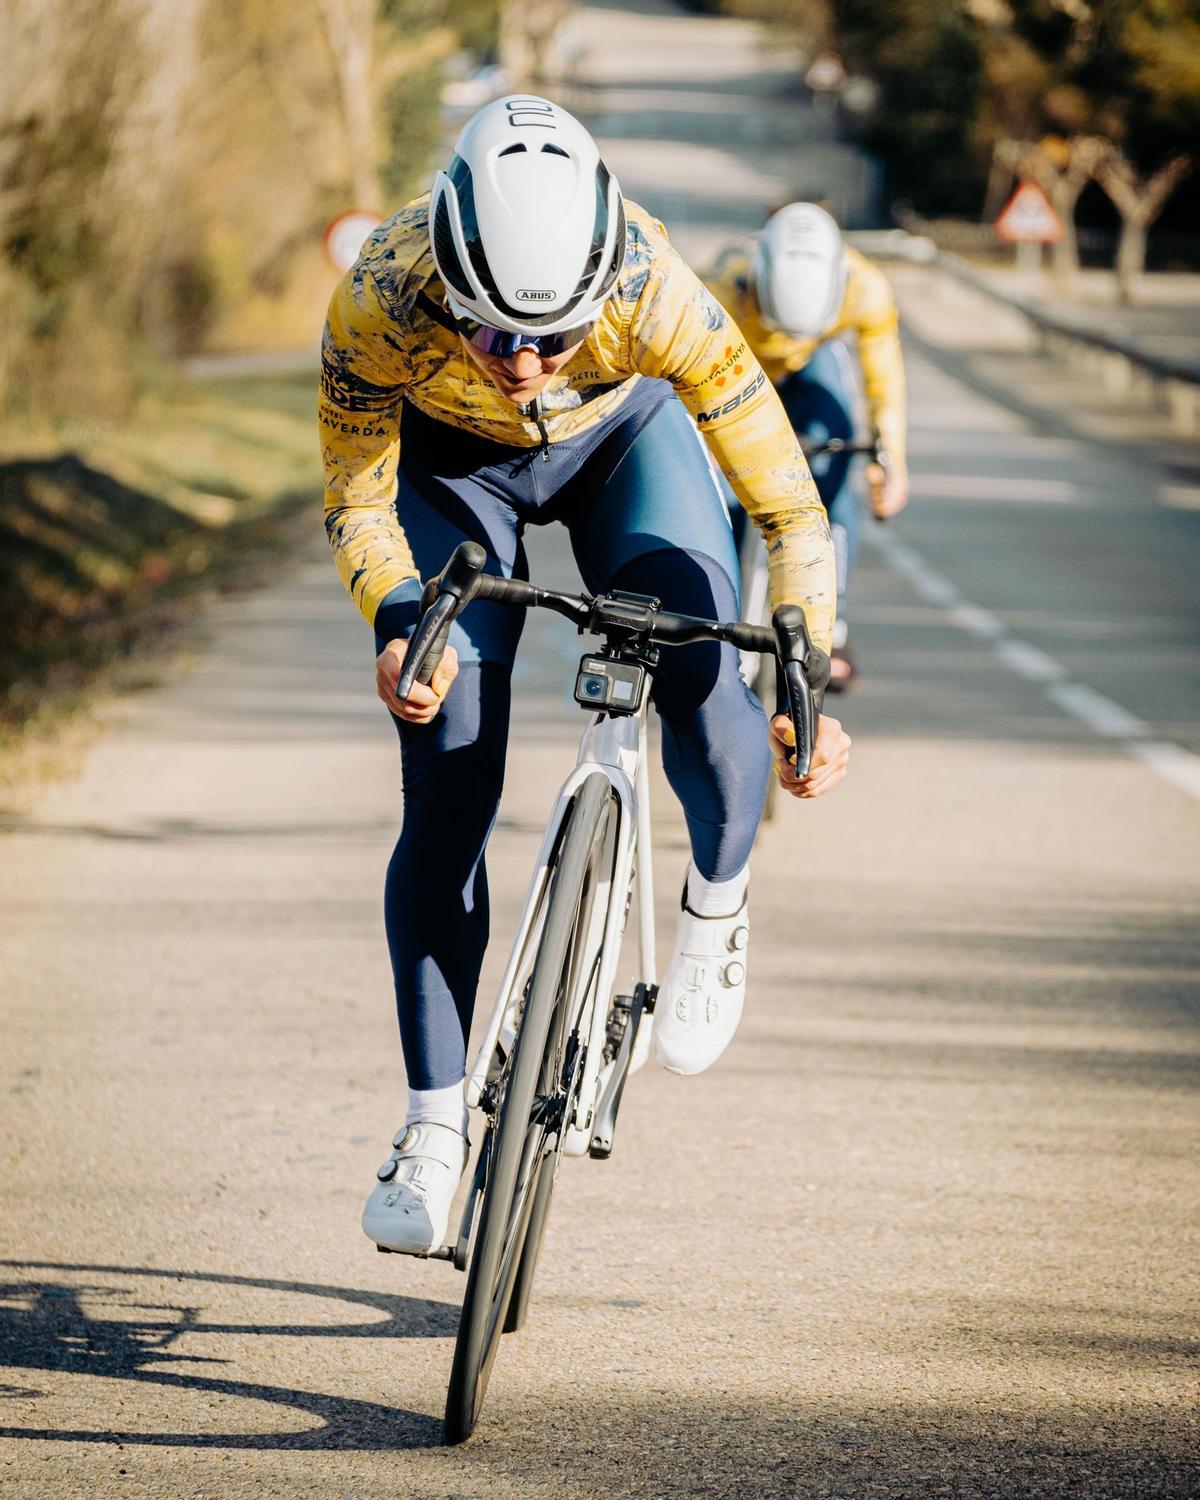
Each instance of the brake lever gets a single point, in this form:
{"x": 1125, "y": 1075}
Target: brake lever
{"x": 441, "y": 600}
{"x": 805, "y": 673}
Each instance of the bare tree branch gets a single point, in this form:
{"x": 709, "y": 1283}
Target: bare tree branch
{"x": 1139, "y": 201}
{"x": 350, "y": 33}
{"x": 1062, "y": 183}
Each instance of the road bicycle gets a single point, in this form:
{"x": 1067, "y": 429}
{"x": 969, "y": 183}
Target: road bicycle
{"x": 559, "y": 1046}
{"x": 752, "y": 562}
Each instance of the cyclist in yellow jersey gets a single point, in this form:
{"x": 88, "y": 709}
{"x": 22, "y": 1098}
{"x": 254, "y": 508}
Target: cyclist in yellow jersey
{"x": 519, "y": 347}
{"x": 797, "y": 294}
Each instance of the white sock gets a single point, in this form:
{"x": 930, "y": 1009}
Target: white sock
{"x": 716, "y": 898}
{"x": 438, "y": 1107}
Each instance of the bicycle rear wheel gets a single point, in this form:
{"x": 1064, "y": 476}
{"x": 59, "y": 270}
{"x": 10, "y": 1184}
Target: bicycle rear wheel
{"x": 533, "y": 1102}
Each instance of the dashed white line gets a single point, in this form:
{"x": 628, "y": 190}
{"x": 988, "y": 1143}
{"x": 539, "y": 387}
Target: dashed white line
{"x": 935, "y": 590}
{"x": 1101, "y": 714}
{"x": 1098, "y": 712}
{"x": 1174, "y": 764}
{"x": 1024, "y": 491}
{"x": 1180, "y": 496}
{"x": 977, "y": 621}
{"x": 1029, "y": 661}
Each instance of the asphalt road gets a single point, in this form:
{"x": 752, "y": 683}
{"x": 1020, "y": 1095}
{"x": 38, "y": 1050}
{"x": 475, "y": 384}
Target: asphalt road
{"x": 930, "y": 1226}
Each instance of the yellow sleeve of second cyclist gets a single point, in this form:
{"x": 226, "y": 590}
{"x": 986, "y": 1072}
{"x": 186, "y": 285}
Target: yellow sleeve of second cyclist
{"x": 678, "y": 331}
{"x": 363, "y": 375}
{"x": 871, "y": 310}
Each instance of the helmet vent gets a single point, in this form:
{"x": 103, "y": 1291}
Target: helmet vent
{"x": 547, "y": 148}
{"x": 520, "y": 146}
{"x": 445, "y": 254}
{"x": 618, "y": 255}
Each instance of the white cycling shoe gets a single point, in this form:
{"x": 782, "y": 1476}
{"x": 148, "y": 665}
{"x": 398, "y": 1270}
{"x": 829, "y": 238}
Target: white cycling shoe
{"x": 700, "y": 999}
{"x": 409, "y": 1208}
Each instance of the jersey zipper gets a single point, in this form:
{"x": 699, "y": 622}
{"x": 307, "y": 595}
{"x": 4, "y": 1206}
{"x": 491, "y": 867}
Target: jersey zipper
{"x": 533, "y": 412}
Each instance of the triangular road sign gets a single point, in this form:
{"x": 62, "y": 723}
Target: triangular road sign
{"x": 1028, "y": 218}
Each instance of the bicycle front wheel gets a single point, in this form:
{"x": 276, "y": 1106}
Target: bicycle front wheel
{"x": 533, "y": 1105}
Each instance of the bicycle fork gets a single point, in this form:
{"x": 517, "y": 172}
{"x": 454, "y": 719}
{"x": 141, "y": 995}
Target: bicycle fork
{"x": 615, "y": 746}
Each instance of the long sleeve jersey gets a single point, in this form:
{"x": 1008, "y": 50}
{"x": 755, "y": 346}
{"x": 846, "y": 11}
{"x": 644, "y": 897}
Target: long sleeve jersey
{"x": 868, "y": 310}
{"x": 388, "y": 340}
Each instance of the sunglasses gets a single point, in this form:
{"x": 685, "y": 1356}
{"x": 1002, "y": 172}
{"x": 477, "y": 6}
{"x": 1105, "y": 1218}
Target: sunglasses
{"x": 497, "y": 343}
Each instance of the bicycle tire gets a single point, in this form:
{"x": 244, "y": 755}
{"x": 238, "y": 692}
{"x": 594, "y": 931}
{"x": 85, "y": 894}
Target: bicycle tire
{"x": 518, "y": 1306}
{"x": 590, "y": 922}
{"x": 520, "y": 1137}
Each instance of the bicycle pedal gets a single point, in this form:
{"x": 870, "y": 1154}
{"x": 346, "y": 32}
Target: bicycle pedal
{"x": 446, "y": 1252}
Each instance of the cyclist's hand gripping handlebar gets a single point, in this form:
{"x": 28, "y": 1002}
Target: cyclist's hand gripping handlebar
{"x": 443, "y": 598}
{"x": 805, "y": 673}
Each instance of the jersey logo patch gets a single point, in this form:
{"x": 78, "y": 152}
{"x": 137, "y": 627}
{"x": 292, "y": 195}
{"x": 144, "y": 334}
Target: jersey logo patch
{"x": 735, "y": 401}
{"x": 351, "y": 392}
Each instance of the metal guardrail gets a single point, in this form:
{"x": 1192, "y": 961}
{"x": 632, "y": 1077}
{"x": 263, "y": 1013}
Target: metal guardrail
{"x": 1125, "y": 365}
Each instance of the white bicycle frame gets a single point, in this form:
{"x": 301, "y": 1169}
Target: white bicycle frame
{"x": 616, "y": 747}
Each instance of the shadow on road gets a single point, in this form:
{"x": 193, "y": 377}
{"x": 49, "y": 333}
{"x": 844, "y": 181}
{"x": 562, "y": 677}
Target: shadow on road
{"x": 45, "y": 1325}
{"x": 197, "y": 831}
{"x": 751, "y": 1448}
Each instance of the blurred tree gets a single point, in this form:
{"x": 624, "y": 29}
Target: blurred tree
{"x": 166, "y": 169}
{"x": 925, "y": 57}
{"x": 1122, "y": 72}
{"x": 528, "y": 32}
{"x": 1062, "y": 169}
{"x": 350, "y": 27}
{"x": 1139, "y": 201}
{"x": 423, "y": 34}
{"x": 958, "y": 76}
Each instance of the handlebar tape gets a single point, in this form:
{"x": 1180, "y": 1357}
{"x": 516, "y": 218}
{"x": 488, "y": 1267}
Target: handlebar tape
{"x": 750, "y": 637}
{"x": 507, "y": 590}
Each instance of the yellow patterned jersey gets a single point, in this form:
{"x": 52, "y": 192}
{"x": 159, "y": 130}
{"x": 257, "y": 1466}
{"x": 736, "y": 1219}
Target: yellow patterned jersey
{"x": 868, "y": 310}
{"x": 388, "y": 340}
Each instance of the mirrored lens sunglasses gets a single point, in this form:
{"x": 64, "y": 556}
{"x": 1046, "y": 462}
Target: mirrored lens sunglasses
{"x": 498, "y": 343}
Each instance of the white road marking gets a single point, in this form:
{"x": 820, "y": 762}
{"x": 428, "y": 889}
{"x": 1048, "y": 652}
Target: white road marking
{"x": 1028, "y": 661}
{"x": 1180, "y": 496}
{"x": 977, "y": 621}
{"x": 1178, "y": 767}
{"x": 1099, "y": 713}
{"x": 1023, "y": 491}
{"x": 936, "y": 442}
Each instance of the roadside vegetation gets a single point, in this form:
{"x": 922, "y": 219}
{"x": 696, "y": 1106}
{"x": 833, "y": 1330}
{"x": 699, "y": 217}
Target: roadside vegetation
{"x": 166, "y": 172}
{"x": 1095, "y": 97}
{"x": 108, "y": 539}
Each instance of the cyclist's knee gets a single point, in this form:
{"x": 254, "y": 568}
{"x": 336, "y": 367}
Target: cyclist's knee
{"x": 717, "y": 758}
{"x": 692, "y": 584}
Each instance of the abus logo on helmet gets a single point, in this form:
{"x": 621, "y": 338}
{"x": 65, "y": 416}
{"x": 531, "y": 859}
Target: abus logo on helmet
{"x": 526, "y": 294}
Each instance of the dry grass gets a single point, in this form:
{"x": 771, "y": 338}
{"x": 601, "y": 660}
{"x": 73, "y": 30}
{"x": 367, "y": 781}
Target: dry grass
{"x": 107, "y": 533}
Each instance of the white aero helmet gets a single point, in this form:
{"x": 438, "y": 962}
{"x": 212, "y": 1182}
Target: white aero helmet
{"x": 527, "y": 226}
{"x": 799, "y": 271}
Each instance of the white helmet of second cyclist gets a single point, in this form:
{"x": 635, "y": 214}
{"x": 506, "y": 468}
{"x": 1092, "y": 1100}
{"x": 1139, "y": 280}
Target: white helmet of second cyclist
{"x": 527, "y": 226}
{"x": 799, "y": 271}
